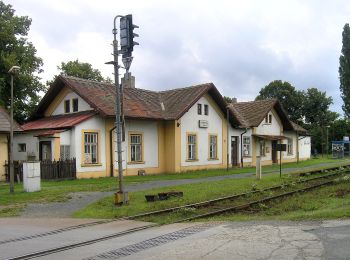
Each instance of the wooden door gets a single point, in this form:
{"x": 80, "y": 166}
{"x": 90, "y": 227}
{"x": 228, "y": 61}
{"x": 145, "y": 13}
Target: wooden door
{"x": 45, "y": 151}
{"x": 234, "y": 150}
{"x": 274, "y": 152}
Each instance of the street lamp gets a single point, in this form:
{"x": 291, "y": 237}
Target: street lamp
{"x": 13, "y": 71}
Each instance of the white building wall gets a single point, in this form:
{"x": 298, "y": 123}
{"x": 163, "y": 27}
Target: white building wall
{"x": 189, "y": 124}
{"x": 293, "y": 136}
{"x": 275, "y": 128}
{"x": 65, "y": 138}
{"x": 82, "y": 105}
{"x": 304, "y": 147}
{"x": 32, "y": 146}
{"x": 149, "y": 129}
{"x": 95, "y": 123}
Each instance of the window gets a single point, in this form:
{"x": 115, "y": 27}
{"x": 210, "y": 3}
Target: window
{"x": 262, "y": 148}
{"x": 199, "y": 109}
{"x": 268, "y": 119}
{"x": 64, "y": 152}
{"x": 22, "y": 147}
{"x": 191, "y": 147}
{"x": 206, "y": 110}
{"x": 213, "y": 147}
{"x": 90, "y": 148}
{"x": 290, "y": 146}
{"x": 246, "y": 146}
{"x": 66, "y": 106}
{"x": 135, "y": 147}
{"x": 75, "y": 105}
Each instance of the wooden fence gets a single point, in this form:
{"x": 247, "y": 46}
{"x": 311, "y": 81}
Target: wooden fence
{"x": 49, "y": 170}
{"x": 55, "y": 170}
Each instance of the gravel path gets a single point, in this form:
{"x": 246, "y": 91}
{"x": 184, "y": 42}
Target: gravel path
{"x": 80, "y": 200}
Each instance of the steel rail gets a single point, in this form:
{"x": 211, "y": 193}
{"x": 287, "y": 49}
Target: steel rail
{"x": 80, "y": 244}
{"x": 247, "y": 205}
{"x": 208, "y": 202}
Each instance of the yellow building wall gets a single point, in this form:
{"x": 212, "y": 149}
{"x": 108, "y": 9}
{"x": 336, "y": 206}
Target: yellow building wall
{"x": 3, "y": 155}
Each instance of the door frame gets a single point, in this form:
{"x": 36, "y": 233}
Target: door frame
{"x": 41, "y": 143}
{"x": 274, "y": 155}
{"x": 236, "y": 138}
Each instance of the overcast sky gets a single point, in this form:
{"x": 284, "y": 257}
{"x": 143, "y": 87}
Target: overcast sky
{"x": 240, "y": 46}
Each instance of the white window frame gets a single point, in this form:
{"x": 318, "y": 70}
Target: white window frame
{"x": 91, "y": 148}
{"x": 136, "y": 147}
{"x": 246, "y": 146}
{"x": 213, "y": 146}
{"x": 290, "y": 146}
{"x": 191, "y": 147}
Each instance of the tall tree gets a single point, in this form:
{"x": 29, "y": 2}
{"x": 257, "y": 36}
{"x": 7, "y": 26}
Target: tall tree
{"x": 344, "y": 70}
{"x": 15, "y": 49}
{"x": 287, "y": 95}
{"x": 79, "y": 69}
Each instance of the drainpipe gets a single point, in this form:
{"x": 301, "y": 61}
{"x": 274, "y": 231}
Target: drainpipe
{"x": 111, "y": 148}
{"x": 245, "y": 130}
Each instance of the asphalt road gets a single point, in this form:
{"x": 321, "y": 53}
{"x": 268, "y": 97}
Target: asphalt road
{"x": 213, "y": 240}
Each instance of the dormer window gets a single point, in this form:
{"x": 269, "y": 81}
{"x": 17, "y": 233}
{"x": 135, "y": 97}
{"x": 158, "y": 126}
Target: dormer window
{"x": 75, "y": 105}
{"x": 67, "y": 106}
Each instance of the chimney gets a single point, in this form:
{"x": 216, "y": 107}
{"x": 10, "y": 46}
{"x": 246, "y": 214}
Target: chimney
{"x": 128, "y": 81}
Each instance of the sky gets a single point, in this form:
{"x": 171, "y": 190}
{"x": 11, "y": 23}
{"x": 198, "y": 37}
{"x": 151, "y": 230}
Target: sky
{"x": 240, "y": 46}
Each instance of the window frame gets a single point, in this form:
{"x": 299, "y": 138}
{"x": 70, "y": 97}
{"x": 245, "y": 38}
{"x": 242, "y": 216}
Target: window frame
{"x": 73, "y": 105}
{"x": 289, "y": 146}
{"x": 199, "y": 109}
{"x": 98, "y": 148}
{"x": 65, "y": 149}
{"x": 247, "y": 144}
{"x": 194, "y": 147}
{"x": 20, "y": 146}
{"x": 206, "y": 109}
{"x": 130, "y": 161}
{"x": 210, "y": 155}
{"x": 67, "y": 106}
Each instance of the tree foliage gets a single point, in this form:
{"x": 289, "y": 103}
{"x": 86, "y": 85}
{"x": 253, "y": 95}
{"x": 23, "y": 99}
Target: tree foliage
{"x": 230, "y": 100}
{"x": 287, "y": 95}
{"x": 344, "y": 70}
{"x": 16, "y": 50}
{"x": 79, "y": 69}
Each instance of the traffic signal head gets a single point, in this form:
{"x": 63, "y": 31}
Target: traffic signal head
{"x": 127, "y": 35}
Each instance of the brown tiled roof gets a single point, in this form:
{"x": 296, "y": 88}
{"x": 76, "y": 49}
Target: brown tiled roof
{"x": 251, "y": 114}
{"x": 137, "y": 103}
{"x": 298, "y": 128}
{"x": 58, "y": 122}
{"x": 5, "y": 122}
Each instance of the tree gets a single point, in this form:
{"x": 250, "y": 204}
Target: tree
{"x": 287, "y": 95}
{"x": 230, "y": 100}
{"x": 15, "y": 49}
{"x": 344, "y": 70}
{"x": 318, "y": 116}
{"x": 79, "y": 69}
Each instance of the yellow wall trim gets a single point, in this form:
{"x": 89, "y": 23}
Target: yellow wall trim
{"x": 130, "y": 133}
{"x": 93, "y": 131}
{"x": 96, "y": 174}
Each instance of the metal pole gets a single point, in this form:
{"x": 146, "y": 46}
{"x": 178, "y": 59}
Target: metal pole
{"x": 118, "y": 109}
{"x": 281, "y": 164}
{"x": 12, "y": 177}
{"x": 227, "y": 137}
{"x": 327, "y": 141}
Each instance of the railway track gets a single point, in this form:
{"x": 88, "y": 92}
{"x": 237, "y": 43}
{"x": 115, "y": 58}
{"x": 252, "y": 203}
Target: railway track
{"x": 331, "y": 175}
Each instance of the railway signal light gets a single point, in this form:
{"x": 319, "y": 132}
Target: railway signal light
{"x": 127, "y": 35}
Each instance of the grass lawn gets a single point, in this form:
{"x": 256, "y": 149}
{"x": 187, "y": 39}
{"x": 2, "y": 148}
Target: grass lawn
{"x": 54, "y": 191}
{"x": 192, "y": 193}
{"x": 328, "y": 202}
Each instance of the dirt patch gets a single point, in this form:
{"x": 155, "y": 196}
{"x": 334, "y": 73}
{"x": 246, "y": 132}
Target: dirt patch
{"x": 341, "y": 193}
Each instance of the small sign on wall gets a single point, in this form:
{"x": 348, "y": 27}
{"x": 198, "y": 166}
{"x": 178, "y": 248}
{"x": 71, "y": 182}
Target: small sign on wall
{"x": 281, "y": 147}
{"x": 203, "y": 123}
